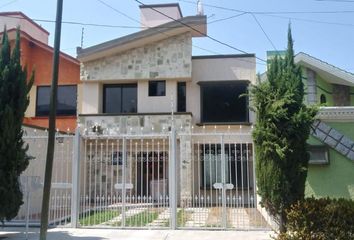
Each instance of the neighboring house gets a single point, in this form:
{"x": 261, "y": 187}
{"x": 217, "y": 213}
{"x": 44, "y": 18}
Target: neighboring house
{"x": 130, "y": 87}
{"x": 37, "y": 55}
{"x": 331, "y": 168}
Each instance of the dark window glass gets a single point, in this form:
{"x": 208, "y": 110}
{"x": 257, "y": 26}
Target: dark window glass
{"x": 181, "y": 97}
{"x": 323, "y": 99}
{"x": 66, "y": 105}
{"x": 120, "y": 98}
{"x": 221, "y": 102}
{"x": 237, "y": 165}
{"x": 157, "y": 88}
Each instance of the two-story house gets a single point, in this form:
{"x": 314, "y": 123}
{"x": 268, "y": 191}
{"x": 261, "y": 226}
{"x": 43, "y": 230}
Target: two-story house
{"x": 37, "y": 55}
{"x": 331, "y": 144}
{"x": 138, "y": 87}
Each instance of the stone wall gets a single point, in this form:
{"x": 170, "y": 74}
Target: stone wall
{"x": 169, "y": 58}
{"x": 135, "y": 124}
{"x": 341, "y": 95}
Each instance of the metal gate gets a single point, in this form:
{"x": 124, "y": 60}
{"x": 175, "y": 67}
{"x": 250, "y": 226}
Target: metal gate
{"x": 124, "y": 181}
{"x": 33, "y": 177}
{"x": 168, "y": 180}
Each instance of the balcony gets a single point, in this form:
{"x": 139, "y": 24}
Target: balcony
{"x": 336, "y": 113}
{"x": 133, "y": 123}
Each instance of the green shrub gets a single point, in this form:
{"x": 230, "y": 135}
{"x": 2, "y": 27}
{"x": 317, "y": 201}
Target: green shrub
{"x": 320, "y": 219}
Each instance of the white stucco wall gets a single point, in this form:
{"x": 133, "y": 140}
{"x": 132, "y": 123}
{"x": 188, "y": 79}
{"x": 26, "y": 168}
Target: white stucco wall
{"x": 12, "y": 21}
{"x": 217, "y": 69}
{"x": 156, "y": 104}
{"x": 91, "y": 98}
{"x": 151, "y": 18}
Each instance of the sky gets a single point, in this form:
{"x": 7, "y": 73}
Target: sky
{"x": 321, "y": 28}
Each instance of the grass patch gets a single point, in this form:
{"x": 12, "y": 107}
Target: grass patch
{"x": 182, "y": 217}
{"x": 97, "y": 217}
{"x": 140, "y": 219}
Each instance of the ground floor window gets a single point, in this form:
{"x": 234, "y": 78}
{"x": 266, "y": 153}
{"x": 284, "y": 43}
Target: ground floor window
{"x": 237, "y": 165}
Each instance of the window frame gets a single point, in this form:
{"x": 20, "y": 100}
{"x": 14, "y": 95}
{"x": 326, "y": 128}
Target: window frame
{"x": 234, "y": 162}
{"x": 325, "y": 149}
{"x": 179, "y": 107}
{"x": 104, "y": 104}
{"x": 157, "y": 82}
{"x": 58, "y": 114}
{"x": 202, "y": 84}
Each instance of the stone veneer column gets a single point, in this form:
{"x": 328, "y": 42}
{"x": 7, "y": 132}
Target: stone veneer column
{"x": 186, "y": 175}
{"x": 311, "y": 86}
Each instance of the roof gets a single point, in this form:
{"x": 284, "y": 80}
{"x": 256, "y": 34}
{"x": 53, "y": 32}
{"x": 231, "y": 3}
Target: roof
{"x": 328, "y": 71}
{"x": 162, "y": 5}
{"x": 163, "y": 31}
{"x": 42, "y": 45}
{"x": 221, "y": 56}
{"x": 23, "y": 16}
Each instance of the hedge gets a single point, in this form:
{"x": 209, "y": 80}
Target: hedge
{"x": 320, "y": 219}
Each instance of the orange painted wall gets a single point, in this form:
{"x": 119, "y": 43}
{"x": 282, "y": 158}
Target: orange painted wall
{"x": 39, "y": 58}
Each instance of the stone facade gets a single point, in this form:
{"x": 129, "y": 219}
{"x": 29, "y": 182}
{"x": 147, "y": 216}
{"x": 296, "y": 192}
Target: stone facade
{"x": 134, "y": 124}
{"x": 341, "y": 95}
{"x": 311, "y": 86}
{"x": 169, "y": 58}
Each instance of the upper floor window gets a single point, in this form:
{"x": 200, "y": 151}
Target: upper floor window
{"x": 66, "y": 105}
{"x": 181, "y": 96}
{"x": 157, "y": 88}
{"x": 221, "y": 102}
{"x": 120, "y": 98}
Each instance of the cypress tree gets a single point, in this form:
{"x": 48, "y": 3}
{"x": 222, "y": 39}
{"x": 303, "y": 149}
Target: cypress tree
{"x": 14, "y": 89}
{"x": 282, "y": 128}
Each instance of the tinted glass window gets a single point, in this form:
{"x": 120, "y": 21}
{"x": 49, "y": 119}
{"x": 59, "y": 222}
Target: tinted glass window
{"x": 181, "y": 97}
{"x": 120, "y": 98}
{"x": 157, "y": 88}
{"x": 221, "y": 102}
{"x": 66, "y": 105}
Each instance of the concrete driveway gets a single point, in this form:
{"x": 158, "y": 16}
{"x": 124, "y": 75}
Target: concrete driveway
{"x": 113, "y": 234}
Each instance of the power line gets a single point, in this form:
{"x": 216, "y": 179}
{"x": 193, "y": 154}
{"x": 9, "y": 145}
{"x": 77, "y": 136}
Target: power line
{"x": 274, "y": 12}
{"x": 223, "y": 19}
{"x": 137, "y": 21}
{"x": 311, "y": 20}
{"x": 259, "y": 24}
{"x": 4, "y": 5}
{"x": 203, "y": 34}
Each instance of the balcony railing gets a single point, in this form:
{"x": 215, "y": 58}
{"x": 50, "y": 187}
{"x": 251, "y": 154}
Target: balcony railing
{"x": 336, "y": 113}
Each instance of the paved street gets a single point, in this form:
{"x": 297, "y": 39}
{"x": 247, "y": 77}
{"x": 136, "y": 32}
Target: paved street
{"x": 112, "y": 234}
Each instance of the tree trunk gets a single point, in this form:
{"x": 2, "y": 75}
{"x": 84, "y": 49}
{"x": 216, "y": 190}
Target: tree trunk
{"x": 282, "y": 222}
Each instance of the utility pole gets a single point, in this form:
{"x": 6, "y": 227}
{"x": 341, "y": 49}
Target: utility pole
{"x": 52, "y": 116}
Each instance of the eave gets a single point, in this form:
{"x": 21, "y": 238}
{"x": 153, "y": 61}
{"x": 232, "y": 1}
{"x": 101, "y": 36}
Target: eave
{"x": 197, "y": 28}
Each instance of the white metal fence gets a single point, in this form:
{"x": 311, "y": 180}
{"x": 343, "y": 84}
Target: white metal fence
{"x": 33, "y": 177}
{"x": 186, "y": 180}
{"x": 168, "y": 180}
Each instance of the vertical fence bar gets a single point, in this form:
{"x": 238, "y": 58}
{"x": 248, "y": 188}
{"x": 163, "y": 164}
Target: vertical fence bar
{"x": 223, "y": 180}
{"x": 173, "y": 181}
{"x": 124, "y": 159}
{"x": 75, "y": 191}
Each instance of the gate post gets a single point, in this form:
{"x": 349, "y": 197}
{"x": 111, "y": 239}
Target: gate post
{"x": 172, "y": 167}
{"x": 75, "y": 190}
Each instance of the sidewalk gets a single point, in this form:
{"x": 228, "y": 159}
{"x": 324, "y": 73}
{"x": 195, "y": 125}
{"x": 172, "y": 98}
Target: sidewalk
{"x": 113, "y": 234}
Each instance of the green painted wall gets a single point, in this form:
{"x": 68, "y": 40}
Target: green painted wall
{"x": 324, "y": 88}
{"x": 337, "y": 178}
